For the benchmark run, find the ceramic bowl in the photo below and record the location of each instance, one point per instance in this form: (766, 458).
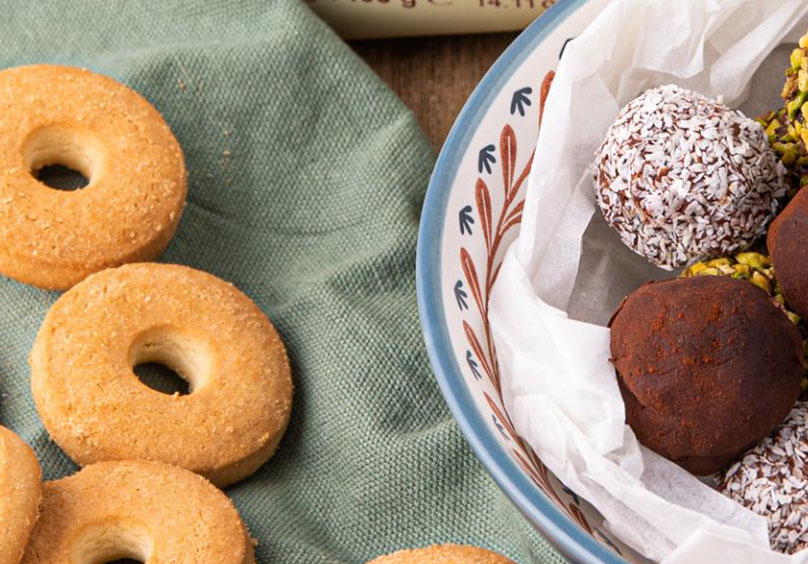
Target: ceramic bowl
(471, 213)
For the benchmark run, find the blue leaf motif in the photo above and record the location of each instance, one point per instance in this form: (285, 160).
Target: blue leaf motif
(487, 158)
(460, 295)
(520, 100)
(473, 365)
(500, 427)
(466, 220)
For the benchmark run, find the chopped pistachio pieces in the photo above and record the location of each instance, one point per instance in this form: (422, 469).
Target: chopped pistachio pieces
(751, 266)
(786, 139)
(761, 281)
(755, 260)
(785, 128)
(796, 58)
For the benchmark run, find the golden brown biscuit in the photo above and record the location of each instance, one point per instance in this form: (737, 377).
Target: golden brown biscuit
(203, 328)
(147, 511)
(20, 493)
(137, 181)
(443, 554)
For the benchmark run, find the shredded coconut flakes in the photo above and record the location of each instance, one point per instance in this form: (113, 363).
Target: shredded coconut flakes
(771, 480)
(683, 178)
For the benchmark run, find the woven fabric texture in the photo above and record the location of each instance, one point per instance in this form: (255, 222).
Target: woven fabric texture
(306, 178)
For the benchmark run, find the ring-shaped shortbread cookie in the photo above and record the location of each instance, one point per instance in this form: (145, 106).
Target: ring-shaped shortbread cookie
(443, 554)
(212, 335)
(131, 206)
(20, 493)
(151, 512)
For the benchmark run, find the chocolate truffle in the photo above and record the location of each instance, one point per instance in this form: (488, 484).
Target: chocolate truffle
(707, 366)
(757, 269)
(772, 480)
(681, 177)
(750, 266)
(789, 253)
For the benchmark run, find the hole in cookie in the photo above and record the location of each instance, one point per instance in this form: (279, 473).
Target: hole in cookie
(167, 361)
(62, 157)
(60, 177)
(113, 542)
(161, 378)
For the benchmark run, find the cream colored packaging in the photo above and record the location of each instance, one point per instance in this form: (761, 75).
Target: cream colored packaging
(366, 19)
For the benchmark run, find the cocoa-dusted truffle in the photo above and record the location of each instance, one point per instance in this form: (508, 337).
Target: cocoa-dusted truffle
(789, 252)
(706, 366)
(681, 177)
(757, 269)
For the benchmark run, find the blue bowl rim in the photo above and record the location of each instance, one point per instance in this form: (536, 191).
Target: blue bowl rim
(570, 539)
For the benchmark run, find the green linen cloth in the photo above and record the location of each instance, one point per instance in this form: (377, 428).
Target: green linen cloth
(306, 178)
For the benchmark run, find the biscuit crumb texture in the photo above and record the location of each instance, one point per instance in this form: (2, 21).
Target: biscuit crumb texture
(140, 510)
(95, 408)
(20, 494)
(443, 554)
(132, 204)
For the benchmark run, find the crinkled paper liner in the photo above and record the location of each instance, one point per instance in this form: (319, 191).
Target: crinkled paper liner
(567, 272)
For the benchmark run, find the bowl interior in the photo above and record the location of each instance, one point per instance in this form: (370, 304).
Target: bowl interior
(471, 214)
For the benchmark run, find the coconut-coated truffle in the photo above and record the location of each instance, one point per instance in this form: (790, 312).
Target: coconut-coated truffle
(772, 480)
(707, 366)
(681, 177)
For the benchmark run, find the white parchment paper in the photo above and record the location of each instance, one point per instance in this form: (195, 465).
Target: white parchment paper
(566, 273)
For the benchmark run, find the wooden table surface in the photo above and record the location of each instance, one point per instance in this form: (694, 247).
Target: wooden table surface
(434, 75)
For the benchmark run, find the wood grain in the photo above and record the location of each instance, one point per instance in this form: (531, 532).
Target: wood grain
(434, 75)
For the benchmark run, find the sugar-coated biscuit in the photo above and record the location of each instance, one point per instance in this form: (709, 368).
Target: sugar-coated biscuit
(20, 493)
(443, 554)
(211, 334)
(93, 124)
(147, 511)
